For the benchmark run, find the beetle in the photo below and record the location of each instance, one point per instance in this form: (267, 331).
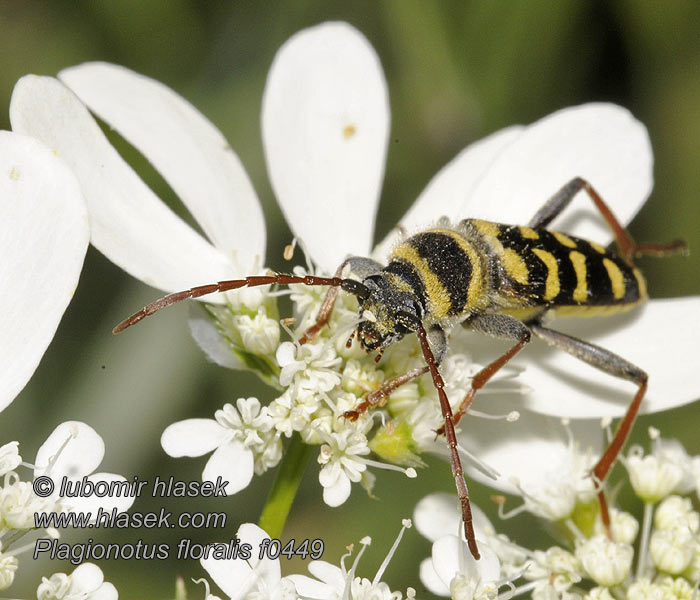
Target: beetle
(496, 279)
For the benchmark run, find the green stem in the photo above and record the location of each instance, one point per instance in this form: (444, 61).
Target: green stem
(279, 501)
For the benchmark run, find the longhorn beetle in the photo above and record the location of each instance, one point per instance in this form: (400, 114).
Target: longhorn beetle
(496, 279)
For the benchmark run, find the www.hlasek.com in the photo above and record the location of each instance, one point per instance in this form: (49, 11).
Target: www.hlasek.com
(77, 553)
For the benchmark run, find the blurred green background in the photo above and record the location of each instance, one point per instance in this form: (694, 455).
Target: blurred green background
(456, 71)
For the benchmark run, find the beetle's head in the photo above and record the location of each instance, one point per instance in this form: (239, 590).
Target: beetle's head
(388, 312)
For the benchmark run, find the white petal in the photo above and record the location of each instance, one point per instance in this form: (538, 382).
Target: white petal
(185, 147)
(233, 462)
(92, 503)
(446, 555)
(528, 449)
(267, 569)
(86, 578)
(105, 592)
(311, 588)
(660, 337)
(439, 514)
(338, 493)
(44, 235)
(446, 192)
(233, 576)
(128, 223)
(236, 577)
(193, 437)
(328, 573)
(81, 451)
(210, 340)
(325, 122)
(431, 580)
(602, 143)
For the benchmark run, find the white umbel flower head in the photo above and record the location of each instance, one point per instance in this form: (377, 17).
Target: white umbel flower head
(86, 582)
(608, 563)
(241, 437)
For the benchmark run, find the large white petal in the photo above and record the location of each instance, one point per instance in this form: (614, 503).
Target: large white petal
(325, 122)
(602, 143)
(439, 514)
(233, 462)
(78, 447)
(43, 236)
(106, 591)
(128, 223)
(454, 183)
(528, 449)
(660, 337)
(193, 437)
(93, 503)
(185, 147)
(431, 580)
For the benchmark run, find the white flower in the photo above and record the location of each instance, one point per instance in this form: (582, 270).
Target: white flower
(676, 511)
(308, 367)
(18, 503)
(86, 582)
(653, 476)
(340, 457)
(9, 457)
(325, 123)
(242, 440)
(339, 583)
(608, 563)
(44, 236)
(673, 549)
(253, 578)
(8, 566)
(73, 451)
(623, 526)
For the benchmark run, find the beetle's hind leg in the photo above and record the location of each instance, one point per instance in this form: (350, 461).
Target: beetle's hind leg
(611, 363)
(628, 248)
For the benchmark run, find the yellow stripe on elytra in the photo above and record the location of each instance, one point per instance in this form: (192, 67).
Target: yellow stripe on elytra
(438, 296)
(528, 233)
(579, 261)
(515, 266)
(617, 279)
(564, 239)
(552, 285)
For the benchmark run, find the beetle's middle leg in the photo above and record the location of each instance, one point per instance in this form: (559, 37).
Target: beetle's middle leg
(499, 326)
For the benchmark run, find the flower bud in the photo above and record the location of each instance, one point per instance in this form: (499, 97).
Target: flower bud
(672, 549)
(675, 511)
(653, 478)
(608, 563)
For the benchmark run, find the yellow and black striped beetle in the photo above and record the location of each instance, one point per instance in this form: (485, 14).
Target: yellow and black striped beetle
(500, 280)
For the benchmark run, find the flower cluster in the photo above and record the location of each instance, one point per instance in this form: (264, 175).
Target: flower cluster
(258, 578)
(597, 561)
(70, 454)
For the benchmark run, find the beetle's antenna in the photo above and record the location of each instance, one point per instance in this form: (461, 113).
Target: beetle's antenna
(348, 285)
(449, 427)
